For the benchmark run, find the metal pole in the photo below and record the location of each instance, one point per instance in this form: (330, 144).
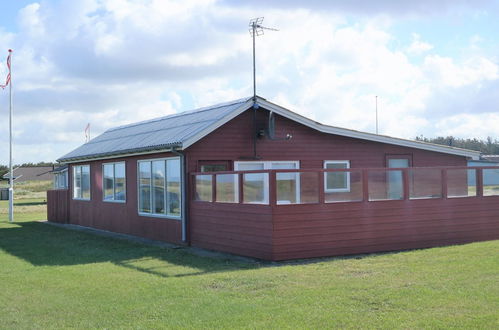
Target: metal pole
(11, 176)
(254, 92)
(376, 114)
(254, 63)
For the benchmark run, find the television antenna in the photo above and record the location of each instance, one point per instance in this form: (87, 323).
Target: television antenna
(256, 29)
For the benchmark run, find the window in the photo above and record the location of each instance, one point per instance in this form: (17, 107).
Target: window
(159, 187)
(81, 182)
(256, 185)
(61, 180)
(336, 181)
(113, 185)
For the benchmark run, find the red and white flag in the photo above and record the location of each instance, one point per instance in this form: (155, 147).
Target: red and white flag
(7, 80)
(87, 133)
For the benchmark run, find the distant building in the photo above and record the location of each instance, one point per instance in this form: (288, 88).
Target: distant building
(491, 158)
(31, 173)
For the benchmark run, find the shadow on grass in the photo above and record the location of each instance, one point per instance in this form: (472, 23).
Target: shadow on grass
(30, 203)
(43, 245)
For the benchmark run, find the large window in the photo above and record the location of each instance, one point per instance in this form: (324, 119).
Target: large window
(113, 182)
(159, 187)
(336, 181)
(81, 182)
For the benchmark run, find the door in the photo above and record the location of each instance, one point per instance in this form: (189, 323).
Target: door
(395, 178)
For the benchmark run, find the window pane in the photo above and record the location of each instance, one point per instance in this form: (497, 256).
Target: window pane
(256, 188)
(203, 188)
(249, 166)
(385, 185)
(145, 187)
(337, 181)
(173, 196)
(352, 194)
(85, 182)
(213, 167)
(490, 181)
(119, 182)
(108, 184)
(461, 183)
(286, 184)
(158, 186)
(77, 182)
(227, 188)
(425, 183)
(297, 188)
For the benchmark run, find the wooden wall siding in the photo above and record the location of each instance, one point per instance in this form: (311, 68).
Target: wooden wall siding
(234, 228)
(57, 205)
(121, 217)
(233, 141)
(303, 231)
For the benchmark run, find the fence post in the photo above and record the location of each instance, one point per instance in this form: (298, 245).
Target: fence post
(365, 185)
(444, 183)
(322, 194)
(272, 188)
(405, 183)
(240, 187)
(479, 182)
(213, 188)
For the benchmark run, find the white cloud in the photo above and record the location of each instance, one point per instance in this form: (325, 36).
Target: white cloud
(116, 62)
(417, 46)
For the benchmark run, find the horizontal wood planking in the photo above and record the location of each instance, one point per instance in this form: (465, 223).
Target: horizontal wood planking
(382, 226)
(361, 249)
(234, 228)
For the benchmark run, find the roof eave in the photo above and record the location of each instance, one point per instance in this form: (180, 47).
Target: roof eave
(122, 153)
(366, 136)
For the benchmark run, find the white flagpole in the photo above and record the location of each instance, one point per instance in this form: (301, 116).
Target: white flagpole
(11, 178)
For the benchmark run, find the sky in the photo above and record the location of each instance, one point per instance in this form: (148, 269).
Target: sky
(434, 65)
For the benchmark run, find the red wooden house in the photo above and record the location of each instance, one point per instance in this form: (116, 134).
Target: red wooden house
(253, 178)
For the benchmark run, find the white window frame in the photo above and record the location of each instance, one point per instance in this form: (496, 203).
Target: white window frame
(81, 183)
(267, 165)
(114, 183)
(330, 190)
(157, 215)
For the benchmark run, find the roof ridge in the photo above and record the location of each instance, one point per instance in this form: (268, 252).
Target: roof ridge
(197, 110)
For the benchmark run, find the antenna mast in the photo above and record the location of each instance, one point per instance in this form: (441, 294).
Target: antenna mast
(376, 114)
(256, 29)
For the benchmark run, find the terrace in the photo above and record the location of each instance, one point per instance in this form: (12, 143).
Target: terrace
(288, 214)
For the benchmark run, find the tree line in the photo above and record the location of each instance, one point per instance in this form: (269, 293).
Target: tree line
(488, 147)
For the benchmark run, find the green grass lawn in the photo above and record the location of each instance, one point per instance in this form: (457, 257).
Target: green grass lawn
(52, 277)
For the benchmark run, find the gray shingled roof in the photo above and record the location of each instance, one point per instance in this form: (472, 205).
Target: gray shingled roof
(160, 133)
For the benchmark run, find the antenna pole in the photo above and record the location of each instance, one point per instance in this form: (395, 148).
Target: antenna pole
(253, 27)
(376, 114)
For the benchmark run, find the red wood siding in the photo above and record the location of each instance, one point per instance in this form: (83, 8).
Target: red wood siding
(303, 231)
(121, 217)
(233, 141)
(239, 229)
(57, 205)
